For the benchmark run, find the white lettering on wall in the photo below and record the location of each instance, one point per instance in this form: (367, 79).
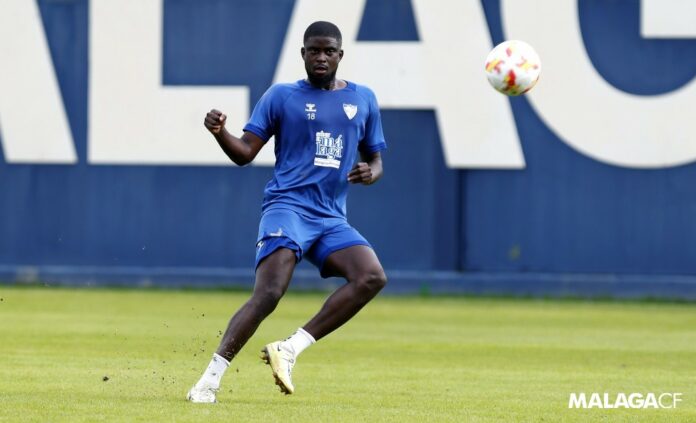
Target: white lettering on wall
(668, 18)
(33, 123)
(584, 110)
(133, 117)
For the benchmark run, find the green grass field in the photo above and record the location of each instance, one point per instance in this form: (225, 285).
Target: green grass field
(401, 359)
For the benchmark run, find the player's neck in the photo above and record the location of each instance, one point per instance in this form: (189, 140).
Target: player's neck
(331, 85)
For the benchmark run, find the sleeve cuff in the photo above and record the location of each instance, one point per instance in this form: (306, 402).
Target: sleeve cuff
(257, 131)
(366, 148)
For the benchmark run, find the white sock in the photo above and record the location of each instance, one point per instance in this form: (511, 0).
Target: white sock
(299, 341)
(212, 375)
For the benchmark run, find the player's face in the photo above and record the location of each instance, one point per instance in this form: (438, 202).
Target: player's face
(321, 56)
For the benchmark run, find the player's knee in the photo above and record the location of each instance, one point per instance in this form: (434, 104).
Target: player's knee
(370, 283)
(380, 281)
(266, 299)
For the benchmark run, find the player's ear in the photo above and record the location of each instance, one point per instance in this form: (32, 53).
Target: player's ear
(302, 52)
(340, 55)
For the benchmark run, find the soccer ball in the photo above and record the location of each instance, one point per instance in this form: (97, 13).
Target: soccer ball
(513, 67)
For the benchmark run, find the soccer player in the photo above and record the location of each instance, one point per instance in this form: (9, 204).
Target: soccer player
(320, 124)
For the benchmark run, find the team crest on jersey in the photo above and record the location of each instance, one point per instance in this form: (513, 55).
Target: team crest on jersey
(329, 150)
(350, 109)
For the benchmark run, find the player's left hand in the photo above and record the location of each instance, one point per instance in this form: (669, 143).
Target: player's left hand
(360, 174)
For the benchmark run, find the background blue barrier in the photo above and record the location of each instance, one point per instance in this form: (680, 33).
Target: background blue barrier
(564, 225)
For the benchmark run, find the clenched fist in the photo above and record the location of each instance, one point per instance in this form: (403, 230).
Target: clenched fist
(215, 121)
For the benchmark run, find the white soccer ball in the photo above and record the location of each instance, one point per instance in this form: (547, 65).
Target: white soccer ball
(513, 67)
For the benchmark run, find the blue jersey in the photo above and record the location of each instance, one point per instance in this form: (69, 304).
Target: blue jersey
(318, 134)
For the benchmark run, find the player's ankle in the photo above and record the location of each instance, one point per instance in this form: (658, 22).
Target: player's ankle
(213, 373)
(298, 342)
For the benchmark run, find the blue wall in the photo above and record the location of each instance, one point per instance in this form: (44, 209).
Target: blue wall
(565, 224)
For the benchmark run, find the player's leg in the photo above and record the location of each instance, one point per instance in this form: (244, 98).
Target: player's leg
(365, 277)
(272, 279)
(342, 251)
(283, 236)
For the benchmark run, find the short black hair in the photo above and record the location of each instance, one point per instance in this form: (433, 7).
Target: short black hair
(323, 29)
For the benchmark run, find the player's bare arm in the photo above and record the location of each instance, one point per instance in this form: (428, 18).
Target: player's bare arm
(240, 150)
(368, 171)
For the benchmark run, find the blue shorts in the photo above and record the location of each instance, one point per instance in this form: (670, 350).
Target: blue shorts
(311, 237)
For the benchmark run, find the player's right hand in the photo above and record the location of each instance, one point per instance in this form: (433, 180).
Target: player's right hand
(215, 121)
